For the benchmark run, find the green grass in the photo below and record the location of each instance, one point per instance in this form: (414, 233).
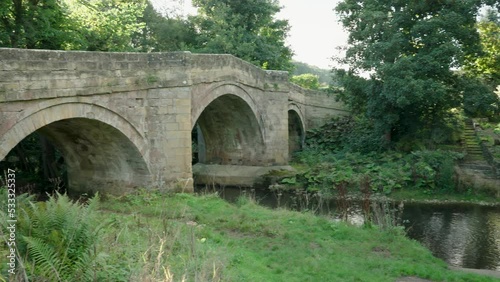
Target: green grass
(203, 238)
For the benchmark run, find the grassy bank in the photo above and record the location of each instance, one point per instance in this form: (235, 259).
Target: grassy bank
(197, 238)
(154, 237)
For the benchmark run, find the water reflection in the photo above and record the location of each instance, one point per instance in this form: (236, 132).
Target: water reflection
(462, 236)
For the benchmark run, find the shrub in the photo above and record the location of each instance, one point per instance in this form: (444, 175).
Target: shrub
(56, 239)
(430, 170)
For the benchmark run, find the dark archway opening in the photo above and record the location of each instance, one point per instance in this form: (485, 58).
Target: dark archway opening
(84, 155)
(38, 164)
(227, 132)
(296, 133)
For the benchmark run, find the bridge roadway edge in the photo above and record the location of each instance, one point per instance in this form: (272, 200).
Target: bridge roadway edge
(154, 93)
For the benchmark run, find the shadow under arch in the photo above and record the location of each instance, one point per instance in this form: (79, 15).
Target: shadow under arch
(296, 129)
(103, 152)
(223, 89)
(228, 132)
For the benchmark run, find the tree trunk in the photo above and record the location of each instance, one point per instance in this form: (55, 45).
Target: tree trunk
(49, 166)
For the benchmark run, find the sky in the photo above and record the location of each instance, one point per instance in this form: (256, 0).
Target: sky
(315, 32)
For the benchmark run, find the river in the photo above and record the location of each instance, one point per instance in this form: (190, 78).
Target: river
(462, 235)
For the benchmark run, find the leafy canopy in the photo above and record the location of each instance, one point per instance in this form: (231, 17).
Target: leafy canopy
(306, 80)
(409, 50)
(106, 25)
(487, 64)
(165, 31)
(246, 29)
(34, 24)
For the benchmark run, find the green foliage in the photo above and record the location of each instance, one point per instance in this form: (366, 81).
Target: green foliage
(56, 239)
(39, 24)
(185, 237)
(345, 134)
(497, 129)
(246, 29)
(163, 32)
(428, 170)
(331, 135)
(324, 76)
(486, 65)
(306, 80)
(38, 164)
(409, 50)
(109, 25)
(479, 100)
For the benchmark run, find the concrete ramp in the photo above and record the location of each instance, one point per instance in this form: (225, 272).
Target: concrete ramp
(233, 175)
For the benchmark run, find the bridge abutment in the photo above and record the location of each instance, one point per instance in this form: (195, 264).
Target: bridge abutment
(124, 120)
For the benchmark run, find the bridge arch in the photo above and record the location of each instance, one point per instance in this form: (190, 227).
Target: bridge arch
(296, 129)
(228, 127)
(102, 150)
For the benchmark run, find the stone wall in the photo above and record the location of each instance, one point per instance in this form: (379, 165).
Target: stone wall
(318, 107)
(124, 120)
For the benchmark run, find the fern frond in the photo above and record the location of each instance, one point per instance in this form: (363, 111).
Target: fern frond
(58, 238)
(45, 258)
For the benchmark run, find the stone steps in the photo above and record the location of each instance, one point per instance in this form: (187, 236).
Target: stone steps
(474, 151)
(481, 168)
(474, 161)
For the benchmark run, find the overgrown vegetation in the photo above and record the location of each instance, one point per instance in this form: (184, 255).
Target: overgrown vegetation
(402, 59)
(343, 152)
(55, 240)
(306, 80)
(406, 97)
(425, 170)
(151, 236)
(324, 75)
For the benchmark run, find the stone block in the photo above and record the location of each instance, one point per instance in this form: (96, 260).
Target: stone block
(151, 99)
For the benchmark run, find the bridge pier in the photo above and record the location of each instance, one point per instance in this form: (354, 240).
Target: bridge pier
(124, 120)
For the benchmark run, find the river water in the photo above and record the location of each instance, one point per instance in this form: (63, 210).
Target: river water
(462, 235)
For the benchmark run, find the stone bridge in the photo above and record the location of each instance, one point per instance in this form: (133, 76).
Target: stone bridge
(126, 120)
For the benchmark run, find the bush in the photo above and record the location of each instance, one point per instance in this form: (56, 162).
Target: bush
(56, 239)
(434, 169)
(385, 172)
(346, 134)
(479, 100)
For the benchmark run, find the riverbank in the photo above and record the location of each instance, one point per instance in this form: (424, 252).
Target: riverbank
(204, 238)
(418, 197)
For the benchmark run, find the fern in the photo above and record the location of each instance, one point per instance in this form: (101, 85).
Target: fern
(58, 238)
(45, 258)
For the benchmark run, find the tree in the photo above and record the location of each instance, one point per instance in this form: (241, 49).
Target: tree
(482, 71)
(486, 65)
(107, 25)
(324, 75)
(306, 80)
(479, 99)
(409, 50)
(34, 24)
(163, 32)
(246, 29)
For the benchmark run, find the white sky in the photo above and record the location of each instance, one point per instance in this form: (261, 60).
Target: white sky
(315, 32)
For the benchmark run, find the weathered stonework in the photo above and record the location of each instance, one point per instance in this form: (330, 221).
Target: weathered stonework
(124, 120)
